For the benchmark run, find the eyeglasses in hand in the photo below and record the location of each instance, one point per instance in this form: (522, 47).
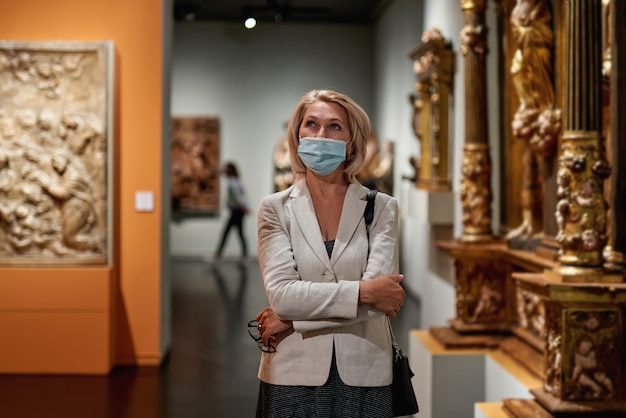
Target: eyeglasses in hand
(253, 330)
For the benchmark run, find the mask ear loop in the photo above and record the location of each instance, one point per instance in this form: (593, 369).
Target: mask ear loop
(350, 146)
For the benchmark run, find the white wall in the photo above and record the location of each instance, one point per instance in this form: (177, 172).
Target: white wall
(252, 80)
(429, 271)
(398, 30)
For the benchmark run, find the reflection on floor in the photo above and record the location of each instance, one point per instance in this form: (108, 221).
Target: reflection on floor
(210, 370)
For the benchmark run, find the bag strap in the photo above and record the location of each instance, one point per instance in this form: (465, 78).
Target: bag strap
(369, 217)
(369, 209)
(393, 338)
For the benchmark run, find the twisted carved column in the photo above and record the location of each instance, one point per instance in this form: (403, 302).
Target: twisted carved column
(476, 192)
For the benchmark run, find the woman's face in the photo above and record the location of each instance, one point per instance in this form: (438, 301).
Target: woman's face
(325, 120)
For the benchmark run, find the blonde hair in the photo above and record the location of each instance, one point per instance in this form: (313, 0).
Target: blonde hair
(358, 121)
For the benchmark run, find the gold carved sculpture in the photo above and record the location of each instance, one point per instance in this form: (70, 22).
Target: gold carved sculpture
(536, 121)
(433, 62)
(54, 152)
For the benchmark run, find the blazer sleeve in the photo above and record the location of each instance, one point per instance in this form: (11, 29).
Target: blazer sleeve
(290, 297)
(382, 259)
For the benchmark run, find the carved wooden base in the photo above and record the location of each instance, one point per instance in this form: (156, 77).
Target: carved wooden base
(466, 328)
(526, 244)
(600, 409)
(529, 358)
(570, 274)
(449, 338)
(524, 408)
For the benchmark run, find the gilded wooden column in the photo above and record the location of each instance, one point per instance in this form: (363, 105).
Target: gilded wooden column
(433, 62)
(614, 64)
(582, 168)
(476, 194)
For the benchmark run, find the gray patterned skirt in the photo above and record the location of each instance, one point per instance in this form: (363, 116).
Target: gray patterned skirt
(332, 400)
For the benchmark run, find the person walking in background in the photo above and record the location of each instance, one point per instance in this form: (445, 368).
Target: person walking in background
(238, 206)
(330, 283)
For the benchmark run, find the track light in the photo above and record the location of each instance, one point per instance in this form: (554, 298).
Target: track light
(250, 22)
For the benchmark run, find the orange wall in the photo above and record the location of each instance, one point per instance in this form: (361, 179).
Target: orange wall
(88, 319)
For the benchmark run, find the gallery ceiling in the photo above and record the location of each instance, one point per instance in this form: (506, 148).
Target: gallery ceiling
(277, 11)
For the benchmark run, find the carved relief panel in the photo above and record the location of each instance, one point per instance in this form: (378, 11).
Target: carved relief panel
(482, 289)
(195, 164)
(591, 366)
(584, 354)
(55, 152)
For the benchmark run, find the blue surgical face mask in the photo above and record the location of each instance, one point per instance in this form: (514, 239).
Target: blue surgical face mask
(322, 155)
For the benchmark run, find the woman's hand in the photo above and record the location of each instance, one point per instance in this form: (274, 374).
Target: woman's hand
(270, 324)
(384, 293)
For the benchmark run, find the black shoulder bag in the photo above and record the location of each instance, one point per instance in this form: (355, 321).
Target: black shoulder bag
(404, 401)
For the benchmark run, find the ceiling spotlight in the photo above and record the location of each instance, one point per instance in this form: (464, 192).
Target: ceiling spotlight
(250, 23)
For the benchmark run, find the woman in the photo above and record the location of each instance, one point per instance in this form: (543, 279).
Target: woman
(238, 206)
(329, 286)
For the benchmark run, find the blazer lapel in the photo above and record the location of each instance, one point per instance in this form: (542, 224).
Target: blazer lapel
(304, 214)
(351, 215)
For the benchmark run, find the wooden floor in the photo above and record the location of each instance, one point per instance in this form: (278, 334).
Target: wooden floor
(210, 370)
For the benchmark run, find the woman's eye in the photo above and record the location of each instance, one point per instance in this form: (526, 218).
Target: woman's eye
(335, 127)
(309, 123)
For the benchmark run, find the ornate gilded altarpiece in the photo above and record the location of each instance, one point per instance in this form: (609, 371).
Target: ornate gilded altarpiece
(56, 152)
(195, 165)
(550, 288)
(433, 66)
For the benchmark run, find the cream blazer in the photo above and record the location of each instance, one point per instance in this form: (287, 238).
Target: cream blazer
(320, 295)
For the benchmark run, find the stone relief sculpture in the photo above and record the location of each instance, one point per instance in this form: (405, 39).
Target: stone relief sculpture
(195, 164)
(536, 121)
(54, 152)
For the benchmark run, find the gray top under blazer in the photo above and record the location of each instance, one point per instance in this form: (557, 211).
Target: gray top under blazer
(320, 295)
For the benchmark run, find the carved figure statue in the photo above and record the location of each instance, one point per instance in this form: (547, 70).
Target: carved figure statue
(535, 121)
